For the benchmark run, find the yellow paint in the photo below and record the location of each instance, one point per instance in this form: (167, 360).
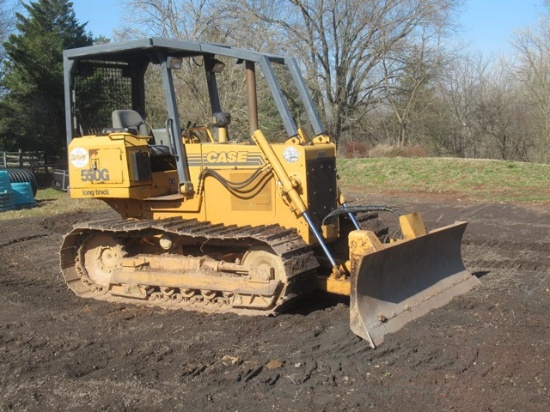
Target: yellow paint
(336, 286)
(279, 194)
(412, 225)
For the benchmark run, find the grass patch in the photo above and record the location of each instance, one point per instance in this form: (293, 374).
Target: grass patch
(50, 202)
(478, 180)
(483, 180)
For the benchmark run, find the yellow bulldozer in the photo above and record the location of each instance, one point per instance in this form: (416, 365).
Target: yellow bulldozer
(212, 223)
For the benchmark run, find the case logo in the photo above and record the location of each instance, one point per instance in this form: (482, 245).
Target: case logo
(79, 157)
(227, 157)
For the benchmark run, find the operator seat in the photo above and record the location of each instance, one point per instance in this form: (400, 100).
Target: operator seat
(160, 156)
(131, 120)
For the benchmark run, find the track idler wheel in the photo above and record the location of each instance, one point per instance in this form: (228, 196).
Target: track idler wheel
(99, 256)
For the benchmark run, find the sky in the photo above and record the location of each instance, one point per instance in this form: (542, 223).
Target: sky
(489, 25)
(486, 25)
(102, 16)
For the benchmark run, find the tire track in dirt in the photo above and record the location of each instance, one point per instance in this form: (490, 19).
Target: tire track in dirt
(485, 351)
(486, 254)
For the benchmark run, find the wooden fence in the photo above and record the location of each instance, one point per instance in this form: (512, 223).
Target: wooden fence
(36, 161)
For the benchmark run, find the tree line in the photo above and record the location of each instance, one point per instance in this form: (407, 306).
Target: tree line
(383, 73)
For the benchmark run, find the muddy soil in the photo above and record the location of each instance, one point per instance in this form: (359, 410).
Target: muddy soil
(488, 350)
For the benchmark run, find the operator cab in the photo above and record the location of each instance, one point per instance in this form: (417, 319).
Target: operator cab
(130, 81)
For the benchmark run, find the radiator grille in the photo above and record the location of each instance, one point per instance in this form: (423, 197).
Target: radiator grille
(321, 187)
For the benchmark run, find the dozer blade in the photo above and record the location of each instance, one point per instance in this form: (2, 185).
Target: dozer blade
(405, 280)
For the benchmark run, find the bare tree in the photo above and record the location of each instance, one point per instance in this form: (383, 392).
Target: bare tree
(533, 71)
(343, 43)
(378, 70)
(407, 72)
(502, 114)
(195, 20)
(459, 91)
(183, 19)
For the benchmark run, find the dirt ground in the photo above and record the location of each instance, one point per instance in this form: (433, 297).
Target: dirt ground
(488, 350)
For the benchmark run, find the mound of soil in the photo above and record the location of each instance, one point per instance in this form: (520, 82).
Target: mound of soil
(488, 350)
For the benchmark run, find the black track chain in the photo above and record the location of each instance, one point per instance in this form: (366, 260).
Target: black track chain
(297, 256)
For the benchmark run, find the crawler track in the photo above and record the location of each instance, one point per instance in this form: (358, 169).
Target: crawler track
(201, 238)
